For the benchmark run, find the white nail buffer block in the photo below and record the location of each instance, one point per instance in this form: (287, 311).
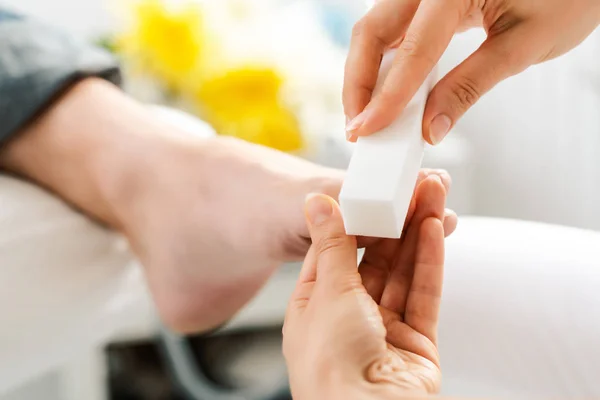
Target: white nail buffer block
(384, 168)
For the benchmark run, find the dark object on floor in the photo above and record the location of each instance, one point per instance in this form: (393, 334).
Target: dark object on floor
(137, 372)
(244, 365)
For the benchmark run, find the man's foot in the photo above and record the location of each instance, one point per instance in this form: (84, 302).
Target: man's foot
(209, 219)
(212, 221)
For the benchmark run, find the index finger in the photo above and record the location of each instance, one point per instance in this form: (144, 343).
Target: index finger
(426, 39)
(382, 27)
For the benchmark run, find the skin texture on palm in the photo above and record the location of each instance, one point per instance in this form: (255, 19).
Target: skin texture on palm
(369, 332)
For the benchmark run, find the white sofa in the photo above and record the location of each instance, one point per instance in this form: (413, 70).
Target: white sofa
(520, 312)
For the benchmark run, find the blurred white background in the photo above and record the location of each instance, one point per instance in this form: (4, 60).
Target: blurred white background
(534, 139)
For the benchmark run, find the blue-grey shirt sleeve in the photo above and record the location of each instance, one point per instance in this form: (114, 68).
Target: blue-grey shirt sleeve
(38, 63)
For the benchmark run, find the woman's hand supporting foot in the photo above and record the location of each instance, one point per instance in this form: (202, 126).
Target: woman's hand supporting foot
(368, 332)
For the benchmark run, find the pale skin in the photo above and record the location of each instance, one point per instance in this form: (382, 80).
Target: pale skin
(520, 33)
(368, 332)
(209, 219)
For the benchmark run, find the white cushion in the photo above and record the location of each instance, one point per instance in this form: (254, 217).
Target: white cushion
(520, 313)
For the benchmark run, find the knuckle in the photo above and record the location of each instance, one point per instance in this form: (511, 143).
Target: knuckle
(350, 285)
(392, 98)
(366, 31)
(411, 48)
(331, 243)
(299, 303)
(426, 290)
(360, 28)
(409, 45)
(466, 91)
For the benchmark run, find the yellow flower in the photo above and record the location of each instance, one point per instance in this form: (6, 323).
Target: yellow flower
(245, 102)
(241, 87)
(165, 42)
(171, 45)
(273, 126)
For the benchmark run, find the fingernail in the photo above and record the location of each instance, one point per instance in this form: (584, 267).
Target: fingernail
(439, 128)
(356, 122)
(446, 178)
(348, 134)
(435, 178)
(350, 137)
(318, 208)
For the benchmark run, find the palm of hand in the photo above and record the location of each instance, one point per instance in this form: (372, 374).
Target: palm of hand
(370, 331)
(408, 369)
(403, 279)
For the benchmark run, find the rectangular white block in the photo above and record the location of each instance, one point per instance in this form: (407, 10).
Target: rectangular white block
(383, 170)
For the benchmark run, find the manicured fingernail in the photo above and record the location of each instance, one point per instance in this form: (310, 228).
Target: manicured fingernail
(439, 128)
(356, 122)
(435, 178)
(349, 135)
(318, 208)
(446, 178)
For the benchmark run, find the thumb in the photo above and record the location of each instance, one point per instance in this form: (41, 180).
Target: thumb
(334, 251)
(498, 58)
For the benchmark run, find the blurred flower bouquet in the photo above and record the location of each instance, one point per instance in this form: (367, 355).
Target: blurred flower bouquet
(243, 66)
